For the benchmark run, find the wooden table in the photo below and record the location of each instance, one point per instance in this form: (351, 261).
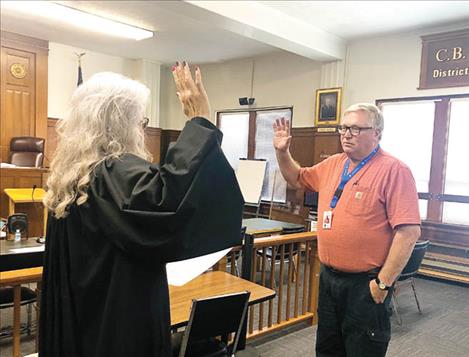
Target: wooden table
(261, 226)
(211, 284)
(15, 278)
(26, 195)
(205, 285)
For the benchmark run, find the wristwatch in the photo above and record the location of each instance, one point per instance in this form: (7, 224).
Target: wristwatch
(381, 285)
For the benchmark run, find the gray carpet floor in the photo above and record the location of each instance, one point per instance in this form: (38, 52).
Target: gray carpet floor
(441, 331)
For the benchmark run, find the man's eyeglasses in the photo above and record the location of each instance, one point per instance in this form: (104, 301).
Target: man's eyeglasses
(354, 130)
(144, 122)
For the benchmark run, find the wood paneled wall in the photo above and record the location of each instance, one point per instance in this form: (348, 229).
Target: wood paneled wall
(51, 140)
(310, 146)
(326, 143)
(23, 87)
(302, 146)
(153, 141)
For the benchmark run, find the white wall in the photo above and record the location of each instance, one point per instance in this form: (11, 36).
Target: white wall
(388, 67)
(375, 68)
(63, 73)
(224, 83)
(276, 79)
(148, 73)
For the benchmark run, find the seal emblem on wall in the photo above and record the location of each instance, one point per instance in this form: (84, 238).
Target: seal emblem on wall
(18, 70)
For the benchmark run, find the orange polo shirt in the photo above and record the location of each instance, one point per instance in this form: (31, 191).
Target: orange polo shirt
(380, 197)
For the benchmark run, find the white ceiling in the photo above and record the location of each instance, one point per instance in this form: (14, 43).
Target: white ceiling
(212, 31)
(352, 20)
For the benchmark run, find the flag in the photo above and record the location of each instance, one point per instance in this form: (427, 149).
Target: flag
(80, 76)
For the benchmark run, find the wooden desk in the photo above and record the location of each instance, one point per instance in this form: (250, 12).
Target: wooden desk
(206, 285)
(262, 226)
(26, 195)
(15, 278)
(23, 177)
(211, 284)
(10, 260)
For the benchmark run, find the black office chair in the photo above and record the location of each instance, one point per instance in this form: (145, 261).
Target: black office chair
(28, 297)
(212, 317)
(290, 252)
(407, 276)
(229, 260)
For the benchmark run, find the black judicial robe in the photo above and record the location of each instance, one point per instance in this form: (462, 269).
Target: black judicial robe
(104, 290)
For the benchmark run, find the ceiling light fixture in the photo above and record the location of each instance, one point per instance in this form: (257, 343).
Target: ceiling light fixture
(77, 18)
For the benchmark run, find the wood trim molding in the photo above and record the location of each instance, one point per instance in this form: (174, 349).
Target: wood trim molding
(445, 35)
(302, 131)
(438, 160)
(42, 92)
(444, 233)
(25, 43)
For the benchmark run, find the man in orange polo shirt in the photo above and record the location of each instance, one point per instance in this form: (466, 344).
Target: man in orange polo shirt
(368, 223)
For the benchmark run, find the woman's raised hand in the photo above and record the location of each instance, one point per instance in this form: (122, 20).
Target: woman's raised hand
(191, 94)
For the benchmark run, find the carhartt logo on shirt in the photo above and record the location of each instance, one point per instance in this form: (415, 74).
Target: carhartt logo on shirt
(358, 195)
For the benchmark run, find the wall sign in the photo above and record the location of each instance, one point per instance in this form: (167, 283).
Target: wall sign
(445, 60)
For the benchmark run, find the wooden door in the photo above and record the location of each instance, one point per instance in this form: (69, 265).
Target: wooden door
(23, 89)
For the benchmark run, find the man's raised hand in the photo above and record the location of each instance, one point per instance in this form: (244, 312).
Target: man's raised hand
(282, 137)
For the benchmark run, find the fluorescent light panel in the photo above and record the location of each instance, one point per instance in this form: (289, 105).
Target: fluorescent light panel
(77, 18)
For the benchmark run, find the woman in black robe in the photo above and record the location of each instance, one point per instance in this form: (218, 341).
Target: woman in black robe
(116, 219)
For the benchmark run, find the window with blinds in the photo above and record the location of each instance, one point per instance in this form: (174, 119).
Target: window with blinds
(249, 134)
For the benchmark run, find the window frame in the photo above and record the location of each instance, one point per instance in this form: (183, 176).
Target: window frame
(441, 123)
(252, 124)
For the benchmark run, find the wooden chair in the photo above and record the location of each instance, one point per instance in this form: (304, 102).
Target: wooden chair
(28, 297)
(233, 258)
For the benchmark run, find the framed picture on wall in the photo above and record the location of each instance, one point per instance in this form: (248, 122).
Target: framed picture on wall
(328, 106)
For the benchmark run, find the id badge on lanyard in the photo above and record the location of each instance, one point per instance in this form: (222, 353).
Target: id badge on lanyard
(327, 215)
(327, 220)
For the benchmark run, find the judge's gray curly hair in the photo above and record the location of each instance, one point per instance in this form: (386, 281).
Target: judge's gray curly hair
(104, 121)
(375, 116)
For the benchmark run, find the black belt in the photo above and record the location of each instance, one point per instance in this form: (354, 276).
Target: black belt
(371, 273)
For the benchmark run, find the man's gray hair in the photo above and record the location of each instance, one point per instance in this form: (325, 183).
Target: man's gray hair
(375, 116)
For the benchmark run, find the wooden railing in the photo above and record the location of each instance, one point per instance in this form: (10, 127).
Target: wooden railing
(294, 262)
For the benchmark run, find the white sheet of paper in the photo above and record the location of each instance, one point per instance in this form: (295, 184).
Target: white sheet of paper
(250, 175)
(29, 249)
(181, 272)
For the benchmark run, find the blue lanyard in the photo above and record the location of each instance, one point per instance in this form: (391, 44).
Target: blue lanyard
(347, 176)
